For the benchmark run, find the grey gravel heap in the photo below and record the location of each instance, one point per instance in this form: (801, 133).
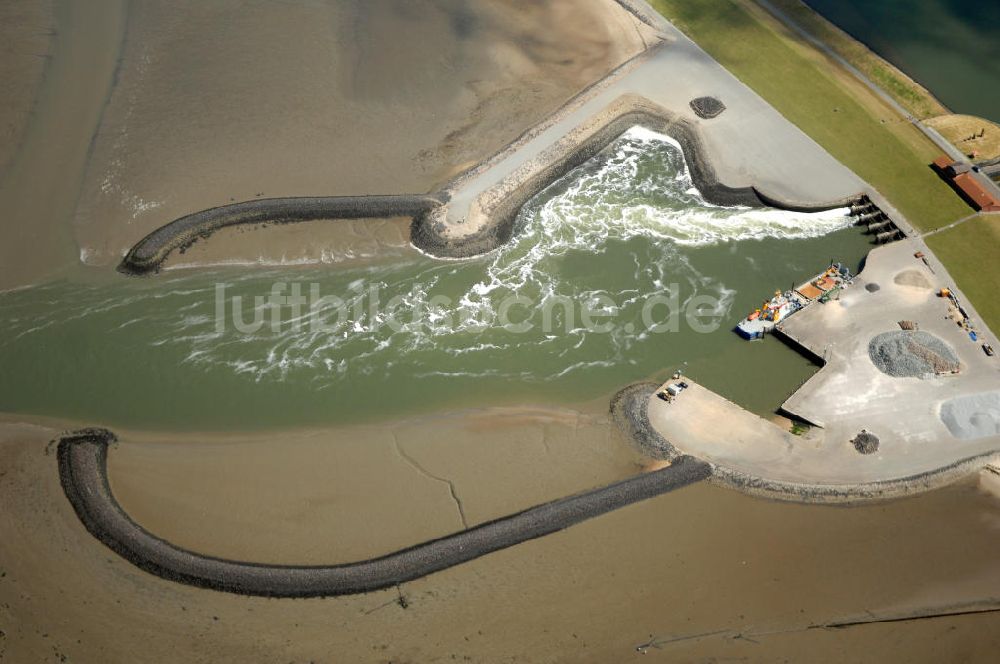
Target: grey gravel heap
(906, 354)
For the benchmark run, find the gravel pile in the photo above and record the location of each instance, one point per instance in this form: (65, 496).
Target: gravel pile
(865, 442)
(912, 278)
(911, 354)
(707, 107)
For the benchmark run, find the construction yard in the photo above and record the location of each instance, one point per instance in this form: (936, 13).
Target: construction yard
(906, 400)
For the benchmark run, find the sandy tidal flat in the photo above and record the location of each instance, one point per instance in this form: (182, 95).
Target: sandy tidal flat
(335, 496)
(704, 572)
(229, 101)
(26, 31)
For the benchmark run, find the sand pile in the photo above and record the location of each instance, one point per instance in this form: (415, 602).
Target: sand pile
(973, 416)
(909, 354)
(912, 278)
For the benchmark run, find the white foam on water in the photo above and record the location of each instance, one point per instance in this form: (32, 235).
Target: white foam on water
(639, 187)
(623, 198)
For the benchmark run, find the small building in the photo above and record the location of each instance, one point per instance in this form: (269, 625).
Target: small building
(976, 193)
(942, 162)
(972, 190)
(950, 168)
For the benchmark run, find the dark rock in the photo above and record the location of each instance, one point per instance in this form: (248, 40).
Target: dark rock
(865, 442)
(707, 107)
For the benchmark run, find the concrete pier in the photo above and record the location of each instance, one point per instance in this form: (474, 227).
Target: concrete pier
(917, 449)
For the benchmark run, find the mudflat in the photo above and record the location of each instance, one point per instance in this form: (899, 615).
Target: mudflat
(50, 147)
(703, 572)
(215, 103)
(26, 31)
(261, 496)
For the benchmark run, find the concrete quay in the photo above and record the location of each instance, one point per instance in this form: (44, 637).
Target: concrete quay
(918, 449)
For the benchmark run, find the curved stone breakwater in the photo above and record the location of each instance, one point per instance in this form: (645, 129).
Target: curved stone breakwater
(82, 458)
(630, 411)
(432, 234)
(495, 211)
(149, 253)
(498, 207)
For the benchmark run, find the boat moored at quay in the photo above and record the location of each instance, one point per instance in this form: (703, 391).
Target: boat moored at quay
(778, 308)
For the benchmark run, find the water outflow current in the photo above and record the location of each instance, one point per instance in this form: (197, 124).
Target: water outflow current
(618, 271)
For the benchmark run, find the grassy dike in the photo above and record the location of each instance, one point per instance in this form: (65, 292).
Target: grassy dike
(971, 251)
(910, 94)
(823, 100)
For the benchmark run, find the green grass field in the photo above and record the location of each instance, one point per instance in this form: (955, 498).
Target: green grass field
(904, 90)
(838, 112)
(971, 252)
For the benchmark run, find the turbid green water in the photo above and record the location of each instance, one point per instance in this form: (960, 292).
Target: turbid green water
(949, 46)
(420, 335)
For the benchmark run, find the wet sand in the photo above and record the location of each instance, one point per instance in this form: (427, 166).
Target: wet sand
(700, 561)
(40, 187)
(260, 497)
(343, 242)
(26, 31)
(198, 119)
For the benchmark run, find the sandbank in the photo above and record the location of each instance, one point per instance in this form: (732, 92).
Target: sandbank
(701, 560)
(198, 120)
